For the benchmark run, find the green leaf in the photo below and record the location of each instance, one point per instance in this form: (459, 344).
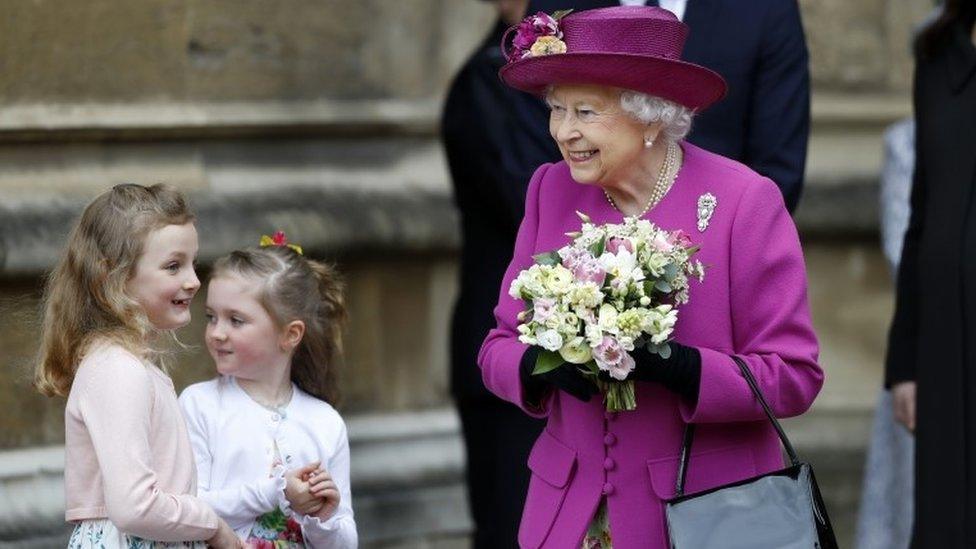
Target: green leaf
(557, 15)
(548, 258)
(597, 248)
(547, 361)
(670, 271)
(664, 350)
(648, 288)
(663, 286)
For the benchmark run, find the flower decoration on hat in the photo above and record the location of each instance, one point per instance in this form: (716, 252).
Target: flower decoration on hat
(537, 35)
(279, 239)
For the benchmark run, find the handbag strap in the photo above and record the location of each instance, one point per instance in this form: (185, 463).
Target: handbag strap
(689, 435)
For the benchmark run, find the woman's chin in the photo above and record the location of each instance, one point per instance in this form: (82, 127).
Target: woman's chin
(582, 175)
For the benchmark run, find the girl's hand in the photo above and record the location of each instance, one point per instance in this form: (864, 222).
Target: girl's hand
(297, 490)
(225, 538)
(323, 487)
(903, 401)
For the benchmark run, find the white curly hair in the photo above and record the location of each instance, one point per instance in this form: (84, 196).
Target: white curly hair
(675, 119)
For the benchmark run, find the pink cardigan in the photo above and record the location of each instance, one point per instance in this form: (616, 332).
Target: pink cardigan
(127, 454)
(753, 303)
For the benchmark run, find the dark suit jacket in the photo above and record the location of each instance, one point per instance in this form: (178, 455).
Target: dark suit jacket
(495, 137)
(759, 48)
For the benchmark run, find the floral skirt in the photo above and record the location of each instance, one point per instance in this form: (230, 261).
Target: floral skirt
(102, 534)
(275, 530)
(598, 534)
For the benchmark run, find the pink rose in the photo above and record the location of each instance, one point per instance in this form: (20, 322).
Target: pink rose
(680, 238)
(616, 243)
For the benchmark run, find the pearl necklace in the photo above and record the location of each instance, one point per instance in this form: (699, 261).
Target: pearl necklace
(665, 179)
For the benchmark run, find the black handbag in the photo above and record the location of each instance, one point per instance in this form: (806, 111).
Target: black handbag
(782, 509)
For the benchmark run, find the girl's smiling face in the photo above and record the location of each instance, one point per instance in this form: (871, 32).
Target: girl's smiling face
(241, 335)
(164, 281)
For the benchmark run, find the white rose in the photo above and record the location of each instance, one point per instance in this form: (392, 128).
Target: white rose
(550, 340)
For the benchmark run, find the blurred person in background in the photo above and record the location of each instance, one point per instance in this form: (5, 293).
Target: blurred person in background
(931, 356)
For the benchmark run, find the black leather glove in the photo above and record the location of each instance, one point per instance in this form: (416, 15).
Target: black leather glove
(680, 372)
(566, 378)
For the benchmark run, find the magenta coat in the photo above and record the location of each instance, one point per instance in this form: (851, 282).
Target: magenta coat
(753, 303)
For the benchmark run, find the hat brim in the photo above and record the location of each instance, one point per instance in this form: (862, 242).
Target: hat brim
(687, 84)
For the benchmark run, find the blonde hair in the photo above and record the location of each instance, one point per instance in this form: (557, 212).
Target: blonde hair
(294, 287)
(84, 296)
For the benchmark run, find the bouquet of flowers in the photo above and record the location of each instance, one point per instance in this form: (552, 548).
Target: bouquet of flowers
(614, 288)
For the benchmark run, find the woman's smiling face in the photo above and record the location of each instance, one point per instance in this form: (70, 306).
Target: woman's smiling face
(598, 140)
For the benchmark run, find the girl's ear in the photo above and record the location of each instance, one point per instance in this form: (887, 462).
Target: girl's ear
(291, 335)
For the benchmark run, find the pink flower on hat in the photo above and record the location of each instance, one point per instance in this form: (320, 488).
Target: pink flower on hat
(538, 34)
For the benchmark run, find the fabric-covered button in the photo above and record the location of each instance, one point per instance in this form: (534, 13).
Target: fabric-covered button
(607, 489)
(609, 439)
(275, 417)
(609, 464)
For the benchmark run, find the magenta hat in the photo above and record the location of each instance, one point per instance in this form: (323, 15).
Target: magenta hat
(631, 47)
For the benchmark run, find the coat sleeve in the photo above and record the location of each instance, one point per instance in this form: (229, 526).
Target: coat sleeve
(116, 405)
(903, 334)
(772, 329)
(779, 119)
(339, 530)
(238, 505)
(502, 351)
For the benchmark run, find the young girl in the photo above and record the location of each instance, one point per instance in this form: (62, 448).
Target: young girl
(125, 277)
(272, 453)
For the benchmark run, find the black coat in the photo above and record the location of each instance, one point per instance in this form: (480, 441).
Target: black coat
(494, 137)
(933, 334)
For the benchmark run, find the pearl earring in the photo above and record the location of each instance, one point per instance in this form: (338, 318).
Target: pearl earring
(648, 142)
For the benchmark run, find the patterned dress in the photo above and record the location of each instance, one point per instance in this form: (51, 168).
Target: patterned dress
(102, 534)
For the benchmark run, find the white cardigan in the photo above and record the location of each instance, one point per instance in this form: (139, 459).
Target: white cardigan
(233, 440)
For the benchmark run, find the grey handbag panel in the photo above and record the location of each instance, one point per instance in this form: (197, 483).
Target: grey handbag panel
(771, 511)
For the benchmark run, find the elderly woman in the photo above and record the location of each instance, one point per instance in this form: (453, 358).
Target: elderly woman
(622, 100)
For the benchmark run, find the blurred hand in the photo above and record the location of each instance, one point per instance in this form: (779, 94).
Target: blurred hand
(903, 402)
(297, 490)
(225, 538)
(322, 486)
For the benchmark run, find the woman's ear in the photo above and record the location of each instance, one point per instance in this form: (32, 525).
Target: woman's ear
(291, 335)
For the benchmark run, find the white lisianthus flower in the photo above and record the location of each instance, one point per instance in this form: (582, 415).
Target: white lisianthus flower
(550, 340)
(576, 351)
